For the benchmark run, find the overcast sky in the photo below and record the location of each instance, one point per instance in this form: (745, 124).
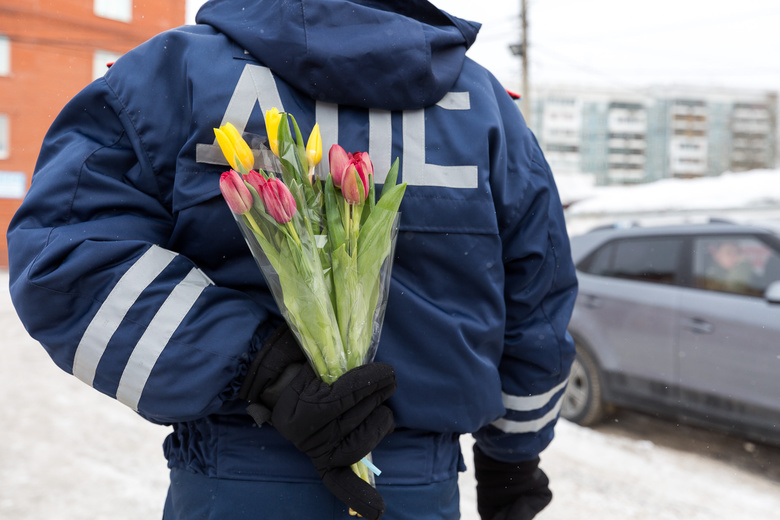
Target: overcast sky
(627, 43)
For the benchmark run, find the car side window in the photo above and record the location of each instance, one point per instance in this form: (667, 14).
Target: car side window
(651, 259)
(734, 264)
(600, 262)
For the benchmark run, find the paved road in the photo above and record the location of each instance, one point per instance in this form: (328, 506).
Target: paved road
(760, 459)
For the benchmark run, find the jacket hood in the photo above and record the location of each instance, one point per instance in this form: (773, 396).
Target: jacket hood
(369, 53)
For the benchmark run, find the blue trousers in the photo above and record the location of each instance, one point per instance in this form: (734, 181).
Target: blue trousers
(197, 497)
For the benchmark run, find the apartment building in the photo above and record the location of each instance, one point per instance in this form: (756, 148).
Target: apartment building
(626, 141)
(623, 137)
(563, 133)
(750, 123)
(48, 52)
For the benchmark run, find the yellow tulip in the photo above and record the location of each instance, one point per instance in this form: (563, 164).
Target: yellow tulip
(236, 151)
(314, 147)
(272, 120)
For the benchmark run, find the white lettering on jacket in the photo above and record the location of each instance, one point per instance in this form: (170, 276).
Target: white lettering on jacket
(257, 85)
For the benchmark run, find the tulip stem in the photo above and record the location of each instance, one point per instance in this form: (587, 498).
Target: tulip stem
(293, 233)
(253, 224)
(348, 225)
(357, 212)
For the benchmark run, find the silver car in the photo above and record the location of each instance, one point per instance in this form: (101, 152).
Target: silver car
(681, 320)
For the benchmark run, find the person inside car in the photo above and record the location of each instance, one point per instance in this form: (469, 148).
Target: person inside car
(730, 271)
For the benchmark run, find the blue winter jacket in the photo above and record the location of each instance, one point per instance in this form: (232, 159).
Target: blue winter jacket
(128, 267)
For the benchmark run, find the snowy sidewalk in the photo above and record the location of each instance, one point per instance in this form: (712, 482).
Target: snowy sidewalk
(69, 453)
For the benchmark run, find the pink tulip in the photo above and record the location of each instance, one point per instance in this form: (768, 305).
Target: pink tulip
(278, 200)
(255, 180)
(235, 192)
(353, 181)
(363, 161)
(356, 178)
(338, 160)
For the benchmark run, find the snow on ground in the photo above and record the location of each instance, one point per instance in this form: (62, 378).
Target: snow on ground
(69, 453)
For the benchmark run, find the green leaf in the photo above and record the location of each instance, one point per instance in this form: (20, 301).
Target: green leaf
(300, 147)
(371, 192)
(374, 239)
(391, 179)
(370, 201)
(288, 153)
(333, 206)
(344, 282)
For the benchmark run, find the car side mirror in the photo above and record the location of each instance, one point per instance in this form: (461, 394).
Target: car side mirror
(772, 293)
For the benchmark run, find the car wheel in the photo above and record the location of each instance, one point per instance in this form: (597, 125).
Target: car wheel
(583, 401)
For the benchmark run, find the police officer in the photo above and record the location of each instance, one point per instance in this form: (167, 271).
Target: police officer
(126, 265)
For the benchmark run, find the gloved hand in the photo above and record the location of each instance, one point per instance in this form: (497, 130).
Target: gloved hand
(335, 425)
(509, 491)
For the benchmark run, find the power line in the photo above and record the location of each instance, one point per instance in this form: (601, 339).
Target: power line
(678, 25)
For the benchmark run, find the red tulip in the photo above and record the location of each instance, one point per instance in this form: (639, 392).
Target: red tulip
(362, 160)
(278, 200)
(356, 178)
(255, 180)
(338, 160)
(235, 192)
(350, 188)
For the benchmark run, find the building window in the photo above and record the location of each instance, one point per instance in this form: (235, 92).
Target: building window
(120, 10)
(5, 55)
(13, 185)
(100, 61)
(5, 137)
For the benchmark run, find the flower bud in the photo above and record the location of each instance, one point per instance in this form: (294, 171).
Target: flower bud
(314, 147)
(273, 119)
(255, 180)
(235, 192)
(363, 163)
(338, 160)
(235, 149)
(354, 181)
(278, 201)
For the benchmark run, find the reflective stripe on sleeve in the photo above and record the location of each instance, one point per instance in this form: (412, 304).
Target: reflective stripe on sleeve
(531, 426)
(156, 337)
(111, 313)
(529, 404)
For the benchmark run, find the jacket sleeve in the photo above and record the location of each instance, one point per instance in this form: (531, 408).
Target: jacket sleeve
(540, 289)
(93, 281)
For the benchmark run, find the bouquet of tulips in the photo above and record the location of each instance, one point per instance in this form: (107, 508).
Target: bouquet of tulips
(324, 246)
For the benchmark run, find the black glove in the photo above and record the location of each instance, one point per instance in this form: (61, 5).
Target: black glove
(509, 491)
(335, 425)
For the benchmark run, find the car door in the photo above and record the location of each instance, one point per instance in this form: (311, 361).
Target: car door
(627, 310)
(729, 335)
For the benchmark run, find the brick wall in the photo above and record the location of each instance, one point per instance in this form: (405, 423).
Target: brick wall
(52, 48)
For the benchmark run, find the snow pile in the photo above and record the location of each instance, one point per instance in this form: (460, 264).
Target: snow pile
(746, 196)
(69, 453)
(574, 187)
(757, 188)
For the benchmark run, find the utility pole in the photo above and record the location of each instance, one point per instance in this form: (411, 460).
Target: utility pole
(521, 49)
(525, 104)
